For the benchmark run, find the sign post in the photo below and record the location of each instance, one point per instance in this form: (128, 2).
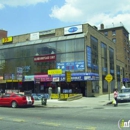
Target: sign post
(109, 78)
(68, 79)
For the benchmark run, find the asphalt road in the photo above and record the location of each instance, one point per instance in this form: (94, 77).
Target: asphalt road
(39, 118)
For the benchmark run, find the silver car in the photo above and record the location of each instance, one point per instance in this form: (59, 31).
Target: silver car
(124, 95)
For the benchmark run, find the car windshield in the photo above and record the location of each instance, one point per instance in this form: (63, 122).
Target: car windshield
(125, 91)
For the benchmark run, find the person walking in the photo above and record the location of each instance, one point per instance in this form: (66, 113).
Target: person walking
(115, 97)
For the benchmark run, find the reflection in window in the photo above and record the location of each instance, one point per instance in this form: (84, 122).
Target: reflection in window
(114, 40)
(106, 33)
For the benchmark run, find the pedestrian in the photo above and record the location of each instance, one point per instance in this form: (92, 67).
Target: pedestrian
(115, 97)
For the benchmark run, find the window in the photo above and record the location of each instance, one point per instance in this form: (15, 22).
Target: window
(114, 40)
(113, 32)
(106, 33)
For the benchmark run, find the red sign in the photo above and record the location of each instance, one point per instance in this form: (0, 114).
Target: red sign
(51, 57)
(42, 78)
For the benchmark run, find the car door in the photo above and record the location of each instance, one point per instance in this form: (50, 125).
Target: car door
(0, 100)
(5, 100)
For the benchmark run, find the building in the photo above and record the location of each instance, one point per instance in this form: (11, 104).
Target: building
(120, 37)
(3, 33)
(80, 49)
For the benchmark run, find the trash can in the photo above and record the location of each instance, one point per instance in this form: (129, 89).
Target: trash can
(43, 101)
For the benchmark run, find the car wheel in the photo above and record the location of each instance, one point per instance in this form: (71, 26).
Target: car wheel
(14, 104)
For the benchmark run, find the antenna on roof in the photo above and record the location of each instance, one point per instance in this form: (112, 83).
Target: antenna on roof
(121, 24)
(113, 24)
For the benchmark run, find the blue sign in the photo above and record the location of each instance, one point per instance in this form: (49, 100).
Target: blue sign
(78, 65)
(89, 61)
(79, 76)
(72, 29)
(126, 80)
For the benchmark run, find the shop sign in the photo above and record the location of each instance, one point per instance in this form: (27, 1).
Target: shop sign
(19, 70)
(29, 78)
(73, 29)
(77, 77)
(77, 65)
(55, 71)
(9, 76)
(34, 36)
(89, 61)
(43, 78)
(7, 39)
(45, 58)
(55, 79)
(46, 79)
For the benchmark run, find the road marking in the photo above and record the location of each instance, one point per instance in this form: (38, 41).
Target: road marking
(18, 120)
(50, 123)
(87, 128)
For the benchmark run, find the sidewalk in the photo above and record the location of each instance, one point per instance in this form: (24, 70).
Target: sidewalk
(99, 101)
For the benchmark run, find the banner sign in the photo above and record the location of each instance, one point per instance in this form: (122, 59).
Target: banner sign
(89, 61)
(44, 58)
(73, 29)
(77, 77)
(68, 66)
(7, 39)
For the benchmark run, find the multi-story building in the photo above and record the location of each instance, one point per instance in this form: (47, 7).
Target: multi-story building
(3, 33)
(81, 49)
(120, 37)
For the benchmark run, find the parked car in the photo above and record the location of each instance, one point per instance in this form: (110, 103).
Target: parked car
(16, 100)
(124, 95)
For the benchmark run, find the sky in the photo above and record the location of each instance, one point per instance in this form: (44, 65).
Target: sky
(27, 16)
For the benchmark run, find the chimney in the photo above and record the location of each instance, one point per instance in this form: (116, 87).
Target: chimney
(102, 26)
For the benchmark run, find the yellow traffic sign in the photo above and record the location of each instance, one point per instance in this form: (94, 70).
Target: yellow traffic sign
(55, 71)
(108, 77)
(68, 76)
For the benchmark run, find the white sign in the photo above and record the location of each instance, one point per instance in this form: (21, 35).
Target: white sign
(19, 70)
(34, 36)
(73, 30)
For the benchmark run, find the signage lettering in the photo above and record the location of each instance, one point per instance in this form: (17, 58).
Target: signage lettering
(45, 58)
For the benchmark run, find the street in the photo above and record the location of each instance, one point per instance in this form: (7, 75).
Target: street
(81, 118)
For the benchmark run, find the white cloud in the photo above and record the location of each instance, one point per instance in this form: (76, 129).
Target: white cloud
(1, 6)
(94, 12)
(16, 3)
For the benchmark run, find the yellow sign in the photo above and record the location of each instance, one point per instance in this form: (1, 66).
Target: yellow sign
(56, 71)
(109, 78)
(68, 76)
(7, 39)
(13, 80)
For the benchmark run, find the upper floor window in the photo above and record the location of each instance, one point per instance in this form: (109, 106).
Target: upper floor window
(106, 33)
(114, 40)
(113, 32)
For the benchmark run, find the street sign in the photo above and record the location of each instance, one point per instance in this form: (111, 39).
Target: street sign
(68, 76)
(55, 71)
(108, 77)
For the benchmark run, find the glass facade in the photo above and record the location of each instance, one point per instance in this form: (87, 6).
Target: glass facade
(22, 55)
(94, 54)
(104, 66)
